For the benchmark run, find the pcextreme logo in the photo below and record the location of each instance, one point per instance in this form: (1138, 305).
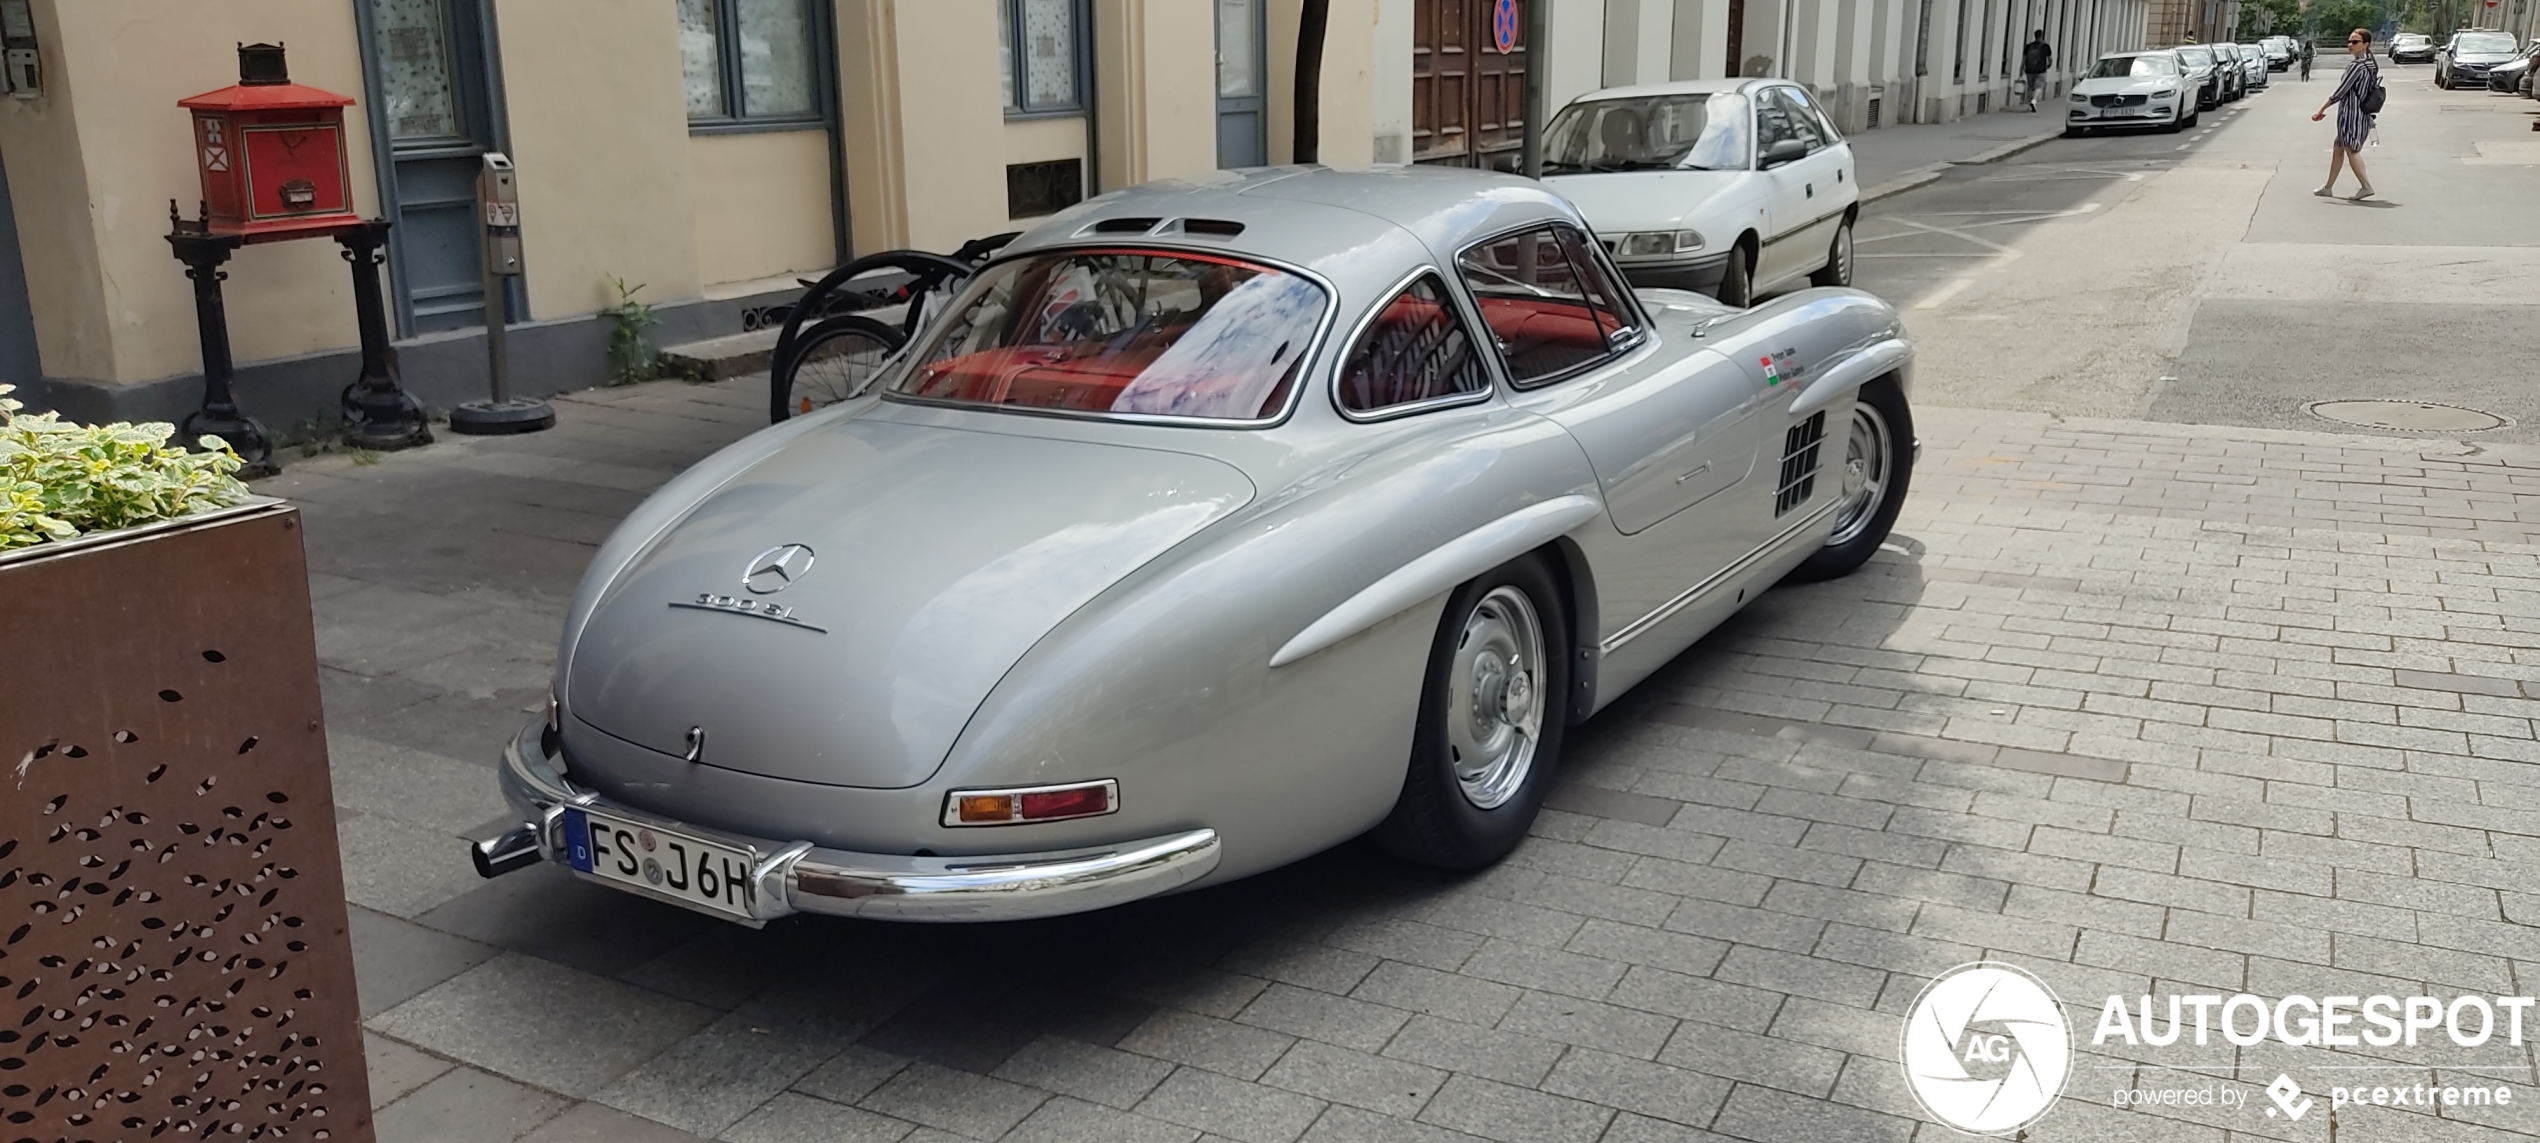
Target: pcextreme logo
(1986, 1049)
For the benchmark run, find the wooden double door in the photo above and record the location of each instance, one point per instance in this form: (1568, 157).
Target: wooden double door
(1468, 95)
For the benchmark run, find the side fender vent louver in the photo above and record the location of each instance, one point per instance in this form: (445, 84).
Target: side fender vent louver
(1123, 226)
(1799, 463)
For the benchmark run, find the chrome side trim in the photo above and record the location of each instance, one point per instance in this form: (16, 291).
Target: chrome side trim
(1445, 566)
(1668, 610)
(797, 877)
(1851, 373)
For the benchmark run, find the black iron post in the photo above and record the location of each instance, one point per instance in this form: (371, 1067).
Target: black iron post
(203, 253)
(378, 414)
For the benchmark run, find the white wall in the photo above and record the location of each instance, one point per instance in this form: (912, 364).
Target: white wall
(1389, 112)
(1574, 62)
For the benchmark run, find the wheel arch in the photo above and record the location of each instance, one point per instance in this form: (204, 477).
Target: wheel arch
(1577, 581)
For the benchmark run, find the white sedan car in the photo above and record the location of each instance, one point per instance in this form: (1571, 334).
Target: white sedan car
(2132, 89)
(1732, 187)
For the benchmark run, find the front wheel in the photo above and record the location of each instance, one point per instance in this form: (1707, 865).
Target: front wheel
(1493, 709)
(1737, 279)
(1878, 462)
(835, 360)
(1838, 268)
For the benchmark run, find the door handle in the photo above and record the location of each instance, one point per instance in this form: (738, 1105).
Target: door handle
(1698, 470)
(1812, 190)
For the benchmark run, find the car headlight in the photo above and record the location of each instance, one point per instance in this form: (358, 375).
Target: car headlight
(2080, 98)
(2165, 93)
(1657, 243)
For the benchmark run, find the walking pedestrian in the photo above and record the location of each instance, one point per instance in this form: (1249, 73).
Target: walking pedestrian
(2035, 58)
(2357, 100)
(2306, 59)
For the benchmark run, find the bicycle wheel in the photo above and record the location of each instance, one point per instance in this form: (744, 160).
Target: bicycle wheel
(835, 360)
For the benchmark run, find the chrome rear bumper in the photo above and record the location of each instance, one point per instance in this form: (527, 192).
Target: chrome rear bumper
(795, 877)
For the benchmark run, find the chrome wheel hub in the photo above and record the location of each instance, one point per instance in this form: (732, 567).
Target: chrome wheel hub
(1868, 453)
(1496, 716)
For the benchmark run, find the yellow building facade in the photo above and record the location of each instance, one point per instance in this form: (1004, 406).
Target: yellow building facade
(709, 151)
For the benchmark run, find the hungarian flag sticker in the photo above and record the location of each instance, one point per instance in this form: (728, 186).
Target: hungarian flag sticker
(1772, 373)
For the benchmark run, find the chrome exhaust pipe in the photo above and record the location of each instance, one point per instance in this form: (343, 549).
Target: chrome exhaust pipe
(511, 851)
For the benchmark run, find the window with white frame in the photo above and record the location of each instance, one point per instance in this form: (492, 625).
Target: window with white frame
(749, 63)
(1041, 44)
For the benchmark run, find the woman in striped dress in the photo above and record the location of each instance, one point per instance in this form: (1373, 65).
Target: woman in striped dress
(2353, 125)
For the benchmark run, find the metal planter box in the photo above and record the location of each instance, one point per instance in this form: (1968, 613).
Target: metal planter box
(174, 957)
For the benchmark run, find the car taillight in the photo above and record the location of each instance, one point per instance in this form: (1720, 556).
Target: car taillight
(1025, 804)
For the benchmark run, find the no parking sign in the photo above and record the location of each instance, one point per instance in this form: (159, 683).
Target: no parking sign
(1504, 24)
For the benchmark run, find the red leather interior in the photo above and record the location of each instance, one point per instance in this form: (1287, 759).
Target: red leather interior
(1529, 324)
(1042, 376)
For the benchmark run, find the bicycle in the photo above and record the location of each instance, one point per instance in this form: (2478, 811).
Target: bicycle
(832, 348)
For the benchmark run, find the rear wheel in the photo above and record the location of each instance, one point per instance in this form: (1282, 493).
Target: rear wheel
(1877, 464)
(1737, 279)
(1838, 268)
(1493, 709)
(835, 360)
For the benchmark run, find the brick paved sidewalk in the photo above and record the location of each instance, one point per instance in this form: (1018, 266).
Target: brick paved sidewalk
(2141, 708)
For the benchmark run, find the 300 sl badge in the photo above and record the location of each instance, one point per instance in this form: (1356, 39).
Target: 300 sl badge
(754, 608)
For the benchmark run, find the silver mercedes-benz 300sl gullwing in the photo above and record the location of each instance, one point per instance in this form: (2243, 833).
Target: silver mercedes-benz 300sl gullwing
(1213, 524)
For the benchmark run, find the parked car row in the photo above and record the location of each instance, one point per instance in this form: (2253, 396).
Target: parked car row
(2468, 57)
(2167, 88)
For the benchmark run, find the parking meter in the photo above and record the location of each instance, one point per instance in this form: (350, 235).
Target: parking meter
(498, 192)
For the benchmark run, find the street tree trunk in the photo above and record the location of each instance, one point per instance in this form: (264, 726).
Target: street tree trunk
(1309, 81)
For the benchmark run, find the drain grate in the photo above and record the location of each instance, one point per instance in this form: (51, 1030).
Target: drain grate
(2408, 416)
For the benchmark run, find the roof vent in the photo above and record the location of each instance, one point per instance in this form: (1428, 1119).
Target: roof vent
(1123, 226)
(1213, 227)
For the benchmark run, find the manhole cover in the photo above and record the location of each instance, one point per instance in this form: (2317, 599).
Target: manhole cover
(2408, 416)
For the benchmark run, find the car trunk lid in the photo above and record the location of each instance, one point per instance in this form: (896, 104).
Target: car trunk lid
(936, 557)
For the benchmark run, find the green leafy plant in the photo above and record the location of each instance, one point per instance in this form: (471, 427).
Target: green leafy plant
(632, 357)
(59, 479)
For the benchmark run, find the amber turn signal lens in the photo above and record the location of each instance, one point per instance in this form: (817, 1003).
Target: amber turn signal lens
(1021, 804)
(986, 809)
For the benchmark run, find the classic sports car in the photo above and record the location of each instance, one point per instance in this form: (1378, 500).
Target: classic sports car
(1213, 524)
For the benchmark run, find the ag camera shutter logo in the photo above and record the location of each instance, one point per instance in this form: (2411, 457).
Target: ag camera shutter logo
(1986, 1049)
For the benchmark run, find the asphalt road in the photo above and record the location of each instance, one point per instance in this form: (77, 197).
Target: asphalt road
(2193, 278)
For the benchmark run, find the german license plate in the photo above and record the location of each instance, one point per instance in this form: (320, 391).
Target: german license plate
(665, 863)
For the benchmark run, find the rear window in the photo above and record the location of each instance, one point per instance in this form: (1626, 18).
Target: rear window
(1125, 331)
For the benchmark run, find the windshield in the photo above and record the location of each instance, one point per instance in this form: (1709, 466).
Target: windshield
(1693, 131)
(2486, 42)
(2135, 67)
(1124, 331)
(2196, 57)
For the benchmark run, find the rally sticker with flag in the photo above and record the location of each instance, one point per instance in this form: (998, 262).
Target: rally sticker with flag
(1772, 373)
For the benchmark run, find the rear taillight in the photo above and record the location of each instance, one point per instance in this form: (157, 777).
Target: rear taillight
(1022, 805)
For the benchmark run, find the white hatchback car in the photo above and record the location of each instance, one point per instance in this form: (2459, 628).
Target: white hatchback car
(2132, 89)
(1731, 187)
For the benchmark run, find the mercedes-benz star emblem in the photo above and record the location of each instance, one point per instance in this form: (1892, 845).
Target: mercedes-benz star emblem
(776, 569)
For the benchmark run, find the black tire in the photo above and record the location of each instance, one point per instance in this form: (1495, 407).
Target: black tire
(832, 361)
(1882, 417)
(1737, 279)
(1438, 819)
(1838, 268)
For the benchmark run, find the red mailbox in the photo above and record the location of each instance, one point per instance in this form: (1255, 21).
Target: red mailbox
(271, 153)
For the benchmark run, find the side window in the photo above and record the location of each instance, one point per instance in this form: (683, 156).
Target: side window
(1536, 305)
(1416, 350)
(1801, 117)
(1816, 115)
(1772, 123)
(1597, 288)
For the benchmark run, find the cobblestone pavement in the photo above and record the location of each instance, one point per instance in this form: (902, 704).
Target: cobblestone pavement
(2140, 708)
